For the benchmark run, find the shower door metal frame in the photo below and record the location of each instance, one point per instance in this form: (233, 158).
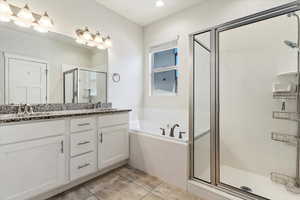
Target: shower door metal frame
(214, 97)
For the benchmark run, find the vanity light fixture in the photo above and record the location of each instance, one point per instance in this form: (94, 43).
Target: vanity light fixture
(84, 36)
(24, 17)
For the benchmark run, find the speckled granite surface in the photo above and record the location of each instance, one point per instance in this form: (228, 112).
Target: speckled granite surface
(8, 113)
(8, 109)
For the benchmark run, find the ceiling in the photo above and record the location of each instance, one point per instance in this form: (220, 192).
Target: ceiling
(144, 12)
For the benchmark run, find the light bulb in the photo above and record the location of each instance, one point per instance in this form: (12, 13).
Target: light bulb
(80, 41)
(98, 38)
(5, 8)
(159, 3)
(101, 46)
(86, 34)
(45, 21)
(108, 42)
(22, 23)
(40, 28)
(25, 14)
(91, 44)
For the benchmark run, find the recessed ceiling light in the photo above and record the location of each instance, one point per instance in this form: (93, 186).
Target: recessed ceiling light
(159, 3)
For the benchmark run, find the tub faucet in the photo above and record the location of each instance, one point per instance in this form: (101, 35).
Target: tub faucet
(173, 129)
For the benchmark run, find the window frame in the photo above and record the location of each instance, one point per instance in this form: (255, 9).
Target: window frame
(161, 69)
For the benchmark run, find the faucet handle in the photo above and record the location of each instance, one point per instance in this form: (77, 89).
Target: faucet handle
(181, 133)
(163, 131)
(19, 109)
(28, 109)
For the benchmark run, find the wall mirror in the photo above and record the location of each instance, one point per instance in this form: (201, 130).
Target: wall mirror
(39, 68)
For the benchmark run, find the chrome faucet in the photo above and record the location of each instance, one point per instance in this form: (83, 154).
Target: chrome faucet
(19, 109)
(173, 129)
(97, 105)
(163, 131)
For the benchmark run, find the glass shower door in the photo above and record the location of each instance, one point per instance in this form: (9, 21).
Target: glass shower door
(201, 101)
(257, 85)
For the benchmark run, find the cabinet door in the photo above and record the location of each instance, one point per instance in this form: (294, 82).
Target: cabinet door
(31, 168)
(113, 145)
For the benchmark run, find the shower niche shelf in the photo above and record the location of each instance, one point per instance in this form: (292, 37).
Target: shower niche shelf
(288, 74)
(289, 139)
(285, 85)
(292, 116)
(283, 95)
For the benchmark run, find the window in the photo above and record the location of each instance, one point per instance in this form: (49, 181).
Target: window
(164, 72)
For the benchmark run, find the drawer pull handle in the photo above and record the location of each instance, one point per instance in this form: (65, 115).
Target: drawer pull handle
(84, 124)
(83, 166)
(62, 146)
(101, 137)
(83, 143)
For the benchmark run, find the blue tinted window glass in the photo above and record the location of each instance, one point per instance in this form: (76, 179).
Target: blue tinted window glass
(165, 81)
(165, 58)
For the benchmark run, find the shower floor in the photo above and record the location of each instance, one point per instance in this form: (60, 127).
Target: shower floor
(260, 185)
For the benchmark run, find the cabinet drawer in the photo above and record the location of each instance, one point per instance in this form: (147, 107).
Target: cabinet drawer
(82, 124)
(83, 142)
(29, 131)
(113, 119)
(83, 165)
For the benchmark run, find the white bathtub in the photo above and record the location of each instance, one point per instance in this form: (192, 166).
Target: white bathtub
(153, 129)
(161, 156)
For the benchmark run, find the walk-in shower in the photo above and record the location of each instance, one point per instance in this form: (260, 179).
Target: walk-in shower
(245, 105)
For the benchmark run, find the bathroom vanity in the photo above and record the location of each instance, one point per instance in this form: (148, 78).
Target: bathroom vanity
(46, 154)
(66, 137)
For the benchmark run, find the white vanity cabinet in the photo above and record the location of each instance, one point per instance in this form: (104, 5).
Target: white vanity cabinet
(113, 139)
(38, 157)
(31, 167)
(83, 154)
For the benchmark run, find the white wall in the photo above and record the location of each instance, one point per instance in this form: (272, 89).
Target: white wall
(126, 55)
(205, 15)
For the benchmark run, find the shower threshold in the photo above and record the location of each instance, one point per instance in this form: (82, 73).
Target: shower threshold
(259, 184)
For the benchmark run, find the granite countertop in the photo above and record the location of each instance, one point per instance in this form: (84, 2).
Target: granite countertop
(7, 118)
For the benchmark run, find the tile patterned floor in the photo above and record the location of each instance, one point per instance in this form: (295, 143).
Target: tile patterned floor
(125, 183)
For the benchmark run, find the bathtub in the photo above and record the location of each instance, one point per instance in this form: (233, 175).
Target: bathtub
(153, 129)
(161, 156)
